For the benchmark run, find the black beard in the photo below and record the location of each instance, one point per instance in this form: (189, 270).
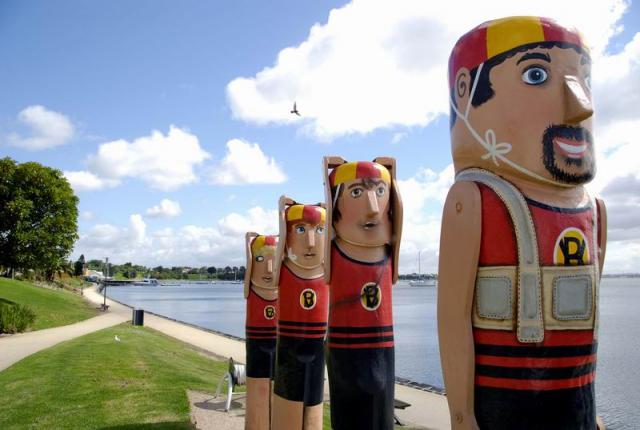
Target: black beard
(549, 155)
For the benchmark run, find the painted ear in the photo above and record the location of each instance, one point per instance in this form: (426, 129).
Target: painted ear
(462, 88)
(329, 162)
(248, 238)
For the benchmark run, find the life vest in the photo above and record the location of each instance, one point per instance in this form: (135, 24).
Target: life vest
(535, 311)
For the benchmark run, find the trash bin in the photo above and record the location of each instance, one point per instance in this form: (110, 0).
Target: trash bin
(138, 317)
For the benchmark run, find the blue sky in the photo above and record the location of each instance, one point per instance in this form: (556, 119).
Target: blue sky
(112, 71)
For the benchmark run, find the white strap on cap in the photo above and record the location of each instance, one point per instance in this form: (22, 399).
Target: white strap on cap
(530, 323)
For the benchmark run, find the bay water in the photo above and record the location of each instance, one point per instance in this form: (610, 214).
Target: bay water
(221, 307)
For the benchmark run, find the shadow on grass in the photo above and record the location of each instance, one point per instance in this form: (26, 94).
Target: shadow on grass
(218, 405)
(178, 425)
(6, 302)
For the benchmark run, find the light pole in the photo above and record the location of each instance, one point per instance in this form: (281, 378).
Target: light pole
(104, 290)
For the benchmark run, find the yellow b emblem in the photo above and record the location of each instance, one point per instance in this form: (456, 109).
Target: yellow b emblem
(371, 296)
(571, 249)
(269, 312)
(308, 299)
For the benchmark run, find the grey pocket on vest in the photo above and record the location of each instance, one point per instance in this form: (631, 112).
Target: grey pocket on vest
(493, 297)
(572, 298)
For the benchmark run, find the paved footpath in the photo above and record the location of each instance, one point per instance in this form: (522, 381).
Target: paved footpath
(18, 346)
(428, 410)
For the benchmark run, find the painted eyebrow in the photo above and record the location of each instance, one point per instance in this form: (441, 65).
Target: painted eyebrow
(361, 184)
(534, 56)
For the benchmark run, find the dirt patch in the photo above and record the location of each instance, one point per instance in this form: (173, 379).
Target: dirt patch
(207, 411)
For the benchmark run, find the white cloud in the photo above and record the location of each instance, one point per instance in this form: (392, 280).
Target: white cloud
(218, 244)
(87, 181)
(397, 137)
(166, 209)
(48, 129)
(245, 163)
(423, 196)
(105, 240)
(87, 215)
(164, 162)
(377, 64)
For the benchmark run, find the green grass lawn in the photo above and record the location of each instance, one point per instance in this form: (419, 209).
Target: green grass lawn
(94, 382)
(52, 307)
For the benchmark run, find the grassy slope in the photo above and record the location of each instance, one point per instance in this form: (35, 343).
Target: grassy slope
(95, 382)
(52, 307)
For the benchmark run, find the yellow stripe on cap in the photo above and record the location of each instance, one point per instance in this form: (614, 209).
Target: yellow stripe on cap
(294, 212)
(297, 212)
(359, 170)
(263, 245)
(507, 33)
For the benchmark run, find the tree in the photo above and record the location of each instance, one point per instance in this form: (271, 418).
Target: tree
(38, 217)
(78, 266)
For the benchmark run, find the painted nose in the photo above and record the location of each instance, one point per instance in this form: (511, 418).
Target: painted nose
(577, 102)
(372, 203)
(311, 239)
(269, 266)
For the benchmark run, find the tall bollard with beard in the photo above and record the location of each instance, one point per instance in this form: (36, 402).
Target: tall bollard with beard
(522, 244)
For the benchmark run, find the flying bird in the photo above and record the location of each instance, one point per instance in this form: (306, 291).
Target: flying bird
(117, 338)
(295, 109)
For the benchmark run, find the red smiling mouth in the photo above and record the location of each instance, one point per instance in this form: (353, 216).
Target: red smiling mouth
(571, 148)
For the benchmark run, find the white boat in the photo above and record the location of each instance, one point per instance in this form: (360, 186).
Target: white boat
(147, 282)
(423, 283)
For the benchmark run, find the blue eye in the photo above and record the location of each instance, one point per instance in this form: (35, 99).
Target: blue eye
(320, 229)
(300, 229)
(535, 75)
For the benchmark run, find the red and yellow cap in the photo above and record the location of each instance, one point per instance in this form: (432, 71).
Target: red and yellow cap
(358, 170)
(307, 213)
(501, 35)
(264, 245)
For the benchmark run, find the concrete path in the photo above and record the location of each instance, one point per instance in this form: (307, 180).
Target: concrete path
(16, 347)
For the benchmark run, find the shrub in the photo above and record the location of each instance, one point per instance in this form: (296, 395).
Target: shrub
(15, 318)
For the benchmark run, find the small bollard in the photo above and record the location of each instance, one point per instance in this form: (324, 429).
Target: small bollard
(138, 317)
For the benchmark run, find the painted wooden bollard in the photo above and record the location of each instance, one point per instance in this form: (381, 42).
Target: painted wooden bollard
(522, 244)
(364, 221)
(303, 303)
(261, 294)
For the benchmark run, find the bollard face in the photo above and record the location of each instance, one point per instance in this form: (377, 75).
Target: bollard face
(364, 212)
(522, 243)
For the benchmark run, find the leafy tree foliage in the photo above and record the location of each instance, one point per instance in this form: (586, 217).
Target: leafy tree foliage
(38, 217)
